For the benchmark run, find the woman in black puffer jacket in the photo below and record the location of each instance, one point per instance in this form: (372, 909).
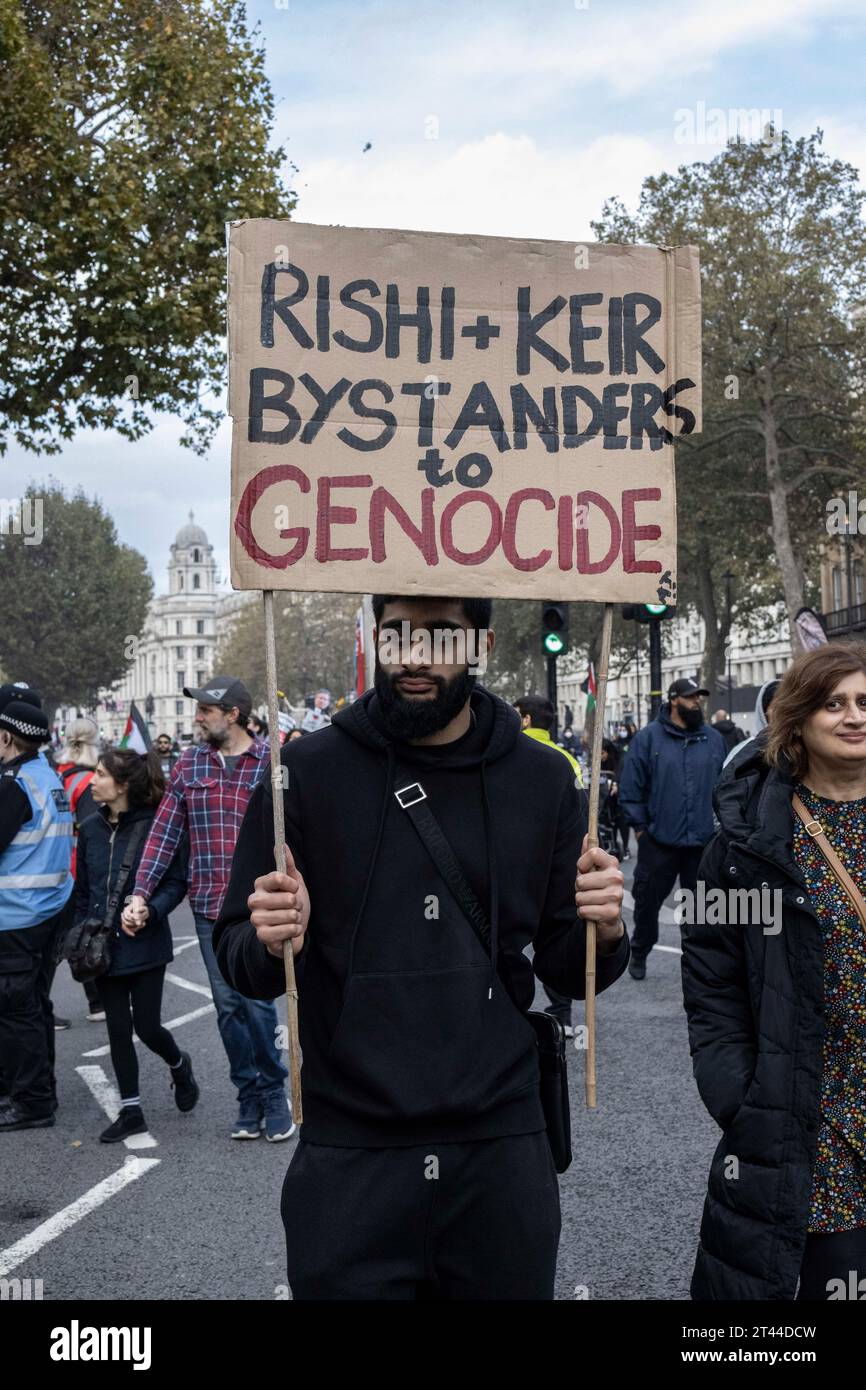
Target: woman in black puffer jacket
(777, 1008)
(127, 788)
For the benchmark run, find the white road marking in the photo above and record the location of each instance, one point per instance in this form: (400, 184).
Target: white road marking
(169, 1023)
(62, 1221)
(667, 915)
(106, 1095)
(186, 945)
(189, 984)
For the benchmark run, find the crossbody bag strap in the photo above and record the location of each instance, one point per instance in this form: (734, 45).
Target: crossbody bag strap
(816, 831)
(132, 844)
(413, 800)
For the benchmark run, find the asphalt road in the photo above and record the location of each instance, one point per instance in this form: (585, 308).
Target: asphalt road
(190, 1213)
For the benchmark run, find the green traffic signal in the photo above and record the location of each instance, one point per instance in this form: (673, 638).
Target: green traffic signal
(656, 609)
(554, 628)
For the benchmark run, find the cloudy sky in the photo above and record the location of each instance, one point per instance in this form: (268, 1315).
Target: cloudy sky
(515, 118)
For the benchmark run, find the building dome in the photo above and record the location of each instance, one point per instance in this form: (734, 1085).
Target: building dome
(190, 534)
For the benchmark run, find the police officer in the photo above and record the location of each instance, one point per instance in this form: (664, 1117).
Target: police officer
(35, 892)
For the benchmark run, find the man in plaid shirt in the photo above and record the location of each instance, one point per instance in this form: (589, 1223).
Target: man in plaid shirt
(206, 797)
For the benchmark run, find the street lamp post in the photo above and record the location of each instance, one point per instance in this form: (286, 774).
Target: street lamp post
(728, 578)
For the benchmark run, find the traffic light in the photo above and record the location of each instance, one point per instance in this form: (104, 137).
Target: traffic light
(645, 612)
(554, 628)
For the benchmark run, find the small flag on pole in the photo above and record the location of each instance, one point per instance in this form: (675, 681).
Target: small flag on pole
(135, 735)
(589, 688)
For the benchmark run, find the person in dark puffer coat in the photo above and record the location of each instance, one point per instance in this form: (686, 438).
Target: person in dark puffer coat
(127, 789)
(777, 1010)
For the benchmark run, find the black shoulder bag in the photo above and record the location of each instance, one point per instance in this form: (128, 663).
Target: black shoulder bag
(87, 946)
(549, 1032)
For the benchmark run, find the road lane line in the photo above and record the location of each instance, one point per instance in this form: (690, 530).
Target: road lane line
(169, 1023)
(64, 1220)
(188, 984)
(105, 1094)
(185, 945)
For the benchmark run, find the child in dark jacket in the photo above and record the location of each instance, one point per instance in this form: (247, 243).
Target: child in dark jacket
(127, 789)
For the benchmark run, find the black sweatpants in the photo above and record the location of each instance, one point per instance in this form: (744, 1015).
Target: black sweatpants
(143, 992)
(658, 868)
(468, 1221)
(26, 1016)
(833, 1264)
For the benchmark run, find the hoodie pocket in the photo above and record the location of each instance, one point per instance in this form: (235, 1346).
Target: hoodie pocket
(428, 1043)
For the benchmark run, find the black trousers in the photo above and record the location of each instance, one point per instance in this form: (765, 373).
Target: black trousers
(658, 868)
(472, 1221)
(559, 1006)
(26, 1016)
(833, 1266)
(135, 1001)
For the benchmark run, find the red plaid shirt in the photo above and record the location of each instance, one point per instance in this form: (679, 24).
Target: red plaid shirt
(204, 800)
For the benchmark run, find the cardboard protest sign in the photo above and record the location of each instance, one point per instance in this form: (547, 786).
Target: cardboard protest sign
(425, 413)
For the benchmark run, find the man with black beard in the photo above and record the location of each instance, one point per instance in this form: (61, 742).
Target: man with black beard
(424, 1168)
(666, 793)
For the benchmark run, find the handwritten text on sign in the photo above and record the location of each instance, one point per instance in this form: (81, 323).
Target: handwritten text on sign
(457, 414)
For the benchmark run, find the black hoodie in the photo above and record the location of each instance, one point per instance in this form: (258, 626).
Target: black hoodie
(408, 1032)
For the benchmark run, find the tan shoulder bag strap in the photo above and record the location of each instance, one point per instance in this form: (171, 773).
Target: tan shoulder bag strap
(816, 830)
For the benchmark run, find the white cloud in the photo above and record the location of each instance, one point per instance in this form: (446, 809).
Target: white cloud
(500, 185)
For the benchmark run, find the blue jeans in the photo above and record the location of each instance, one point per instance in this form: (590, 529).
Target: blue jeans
(248, 1028)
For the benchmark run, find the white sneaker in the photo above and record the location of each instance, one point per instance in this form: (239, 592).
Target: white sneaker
(98, 1016)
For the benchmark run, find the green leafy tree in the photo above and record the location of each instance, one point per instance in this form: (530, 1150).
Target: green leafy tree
(783, 259)
(130, 132)
(74, 601)
(315, 644)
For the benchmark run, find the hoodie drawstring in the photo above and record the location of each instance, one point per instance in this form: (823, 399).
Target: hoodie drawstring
(494, 880)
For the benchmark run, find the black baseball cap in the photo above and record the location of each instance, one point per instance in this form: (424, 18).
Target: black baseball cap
(223, 690)
(685, 686)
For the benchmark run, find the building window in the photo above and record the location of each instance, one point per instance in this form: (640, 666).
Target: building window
(858, 586)
(196, 581)
(178, 651)
(178, 627)
(199, 626)
(178, 709)
(180, 581)
(200, 678)
(196, 557)
(181, 680)
(837, 586)
(199, 653)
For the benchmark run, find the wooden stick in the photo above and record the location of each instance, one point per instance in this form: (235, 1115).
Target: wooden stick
(594, 788)
(280, 852)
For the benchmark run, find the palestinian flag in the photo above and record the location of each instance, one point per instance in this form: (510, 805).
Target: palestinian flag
(135, 735)
(588, 687)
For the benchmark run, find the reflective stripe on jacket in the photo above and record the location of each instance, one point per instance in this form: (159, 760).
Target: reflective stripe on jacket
(35, 881)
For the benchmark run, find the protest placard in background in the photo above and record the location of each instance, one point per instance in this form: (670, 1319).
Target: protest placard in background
(426, 413)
